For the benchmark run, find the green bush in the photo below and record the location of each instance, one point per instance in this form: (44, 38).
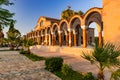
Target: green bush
(22, 51)
(31, 56)
(54, 64)
(66, 70)
(89, 76)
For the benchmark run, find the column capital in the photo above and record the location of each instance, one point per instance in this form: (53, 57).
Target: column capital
(52, 33)
(69, 41)
(38, 35)
(42, 35)
(69, 30)
(74, 32)
(46, 34)
(83, 27)
(60, 32)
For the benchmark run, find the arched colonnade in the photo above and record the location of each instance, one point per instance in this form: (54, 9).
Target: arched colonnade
(75, 32)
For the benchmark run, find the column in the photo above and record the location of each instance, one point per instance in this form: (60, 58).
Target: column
(49, 39)
(60, 38)
(42, 39)
(100, 39)
(67, 40)
(70, 39)
(38, 40)
(46, 39)
(75, 41)
(53, 40)
(84, 36)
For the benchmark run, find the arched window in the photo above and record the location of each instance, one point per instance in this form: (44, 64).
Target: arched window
(41, 23)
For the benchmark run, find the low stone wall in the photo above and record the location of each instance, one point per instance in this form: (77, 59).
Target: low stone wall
(75, 51)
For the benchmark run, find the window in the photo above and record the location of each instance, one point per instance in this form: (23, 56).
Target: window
(41, 23)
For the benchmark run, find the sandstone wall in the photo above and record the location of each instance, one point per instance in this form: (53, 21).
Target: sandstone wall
(111, 20)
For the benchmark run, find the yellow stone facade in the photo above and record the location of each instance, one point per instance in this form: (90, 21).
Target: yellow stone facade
(75, 32)
(50, 31)
(111, 20)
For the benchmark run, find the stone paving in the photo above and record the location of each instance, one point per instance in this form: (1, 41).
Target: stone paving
(77, 63)
(14, 66)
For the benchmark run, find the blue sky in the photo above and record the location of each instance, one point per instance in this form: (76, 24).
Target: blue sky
(27, 12)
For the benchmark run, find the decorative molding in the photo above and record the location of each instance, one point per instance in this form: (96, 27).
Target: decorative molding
(52, 32)
(83, 27)
(46, 34)
(69, 30)
(60, 32)
(74, 32)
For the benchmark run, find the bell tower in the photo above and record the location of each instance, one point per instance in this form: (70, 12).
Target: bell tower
(111, 20)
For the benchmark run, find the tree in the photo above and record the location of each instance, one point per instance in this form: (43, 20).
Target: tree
(27, 43)
(5, 15)
(13, 35)
(67, 14)
(1, 37)
(79, 12)
(104, 57)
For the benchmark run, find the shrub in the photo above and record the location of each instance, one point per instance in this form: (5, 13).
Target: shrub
(54, 64)
(89, 76)
(31, 56)
(22, 51)
(66, 70)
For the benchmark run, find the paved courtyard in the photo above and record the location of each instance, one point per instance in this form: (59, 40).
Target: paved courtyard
(76, 62)
(14, 66)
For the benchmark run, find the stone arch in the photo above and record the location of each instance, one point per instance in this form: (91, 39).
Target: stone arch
(49, 36)
(43, 36)
(75, 17)
(39, 32)
(75, 26)
(62, 22)
(63, 28)
(54, 24)
(55, 35)
(43, 32)
(48, 30)
(94, 15)
(40, 36)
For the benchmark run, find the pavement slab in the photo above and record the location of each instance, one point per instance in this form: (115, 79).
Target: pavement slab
(14, 66)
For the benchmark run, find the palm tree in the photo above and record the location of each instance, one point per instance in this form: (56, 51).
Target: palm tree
(27, 43)
(104, 57)
(13, 35)
(1, 36)
(115, 75)
(5, 15)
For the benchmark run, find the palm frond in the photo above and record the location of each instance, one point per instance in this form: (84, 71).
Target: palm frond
(115, 75)
(88, 57)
